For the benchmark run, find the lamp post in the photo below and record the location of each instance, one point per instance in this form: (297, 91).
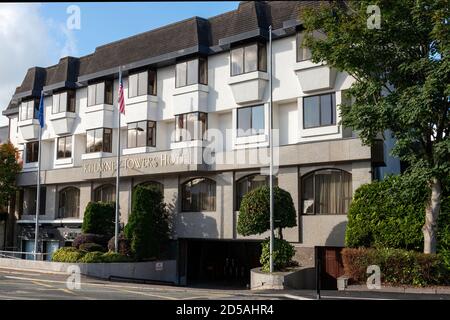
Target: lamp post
(271, 152)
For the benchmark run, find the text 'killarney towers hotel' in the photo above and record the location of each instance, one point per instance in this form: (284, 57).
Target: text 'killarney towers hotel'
(196, 124)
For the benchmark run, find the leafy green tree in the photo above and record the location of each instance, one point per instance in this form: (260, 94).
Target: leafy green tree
(148, 225)
(9, 168)
(254, 213)
(402, 86)
(99, 218)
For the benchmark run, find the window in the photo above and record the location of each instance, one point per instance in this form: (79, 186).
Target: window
(32, 151)
(142, 83)
(153, 184)
(105, 193)
(303, 53)
(28, 110)
(319, 110)
(186, 129)
(30, 200)
(326, 192)
(64, 102)
(99, 140)
(191, 72)
(198, 195)
(142, 134)
(69, 203)
(248, 59)
(249, 183)
(64, 147)
(250, 121)
(100, 93)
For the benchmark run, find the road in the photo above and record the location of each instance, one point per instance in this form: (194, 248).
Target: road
(30, 285)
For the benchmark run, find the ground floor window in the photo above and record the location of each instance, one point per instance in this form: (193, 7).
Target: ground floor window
(105, 193)
(326, 191)
(249, 183)
(69, 203)
(199, 194)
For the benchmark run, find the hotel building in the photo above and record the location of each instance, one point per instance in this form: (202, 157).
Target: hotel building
(196, 124)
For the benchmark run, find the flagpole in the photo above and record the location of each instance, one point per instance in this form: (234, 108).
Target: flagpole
(38, 188)
(116, 230)
(271, 154)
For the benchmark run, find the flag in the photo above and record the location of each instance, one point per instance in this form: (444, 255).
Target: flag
(121, 98)
(41, 111)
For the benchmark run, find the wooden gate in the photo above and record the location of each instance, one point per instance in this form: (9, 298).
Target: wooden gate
(331, 266)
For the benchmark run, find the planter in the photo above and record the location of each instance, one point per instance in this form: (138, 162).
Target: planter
(295, 278)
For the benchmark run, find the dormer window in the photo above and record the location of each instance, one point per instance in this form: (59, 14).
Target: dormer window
(191, 72)
(28, 110)
(142, 83)
(64, 102)
(248, 58)
(100, 93)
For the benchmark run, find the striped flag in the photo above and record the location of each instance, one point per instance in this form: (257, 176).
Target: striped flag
(121, 97)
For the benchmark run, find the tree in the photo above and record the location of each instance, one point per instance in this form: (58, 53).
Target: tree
(9, 168)
(99, 218)
(254, 213)
(148, 226)
(402, 74)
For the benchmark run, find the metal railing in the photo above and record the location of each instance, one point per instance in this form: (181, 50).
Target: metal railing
(21, 255)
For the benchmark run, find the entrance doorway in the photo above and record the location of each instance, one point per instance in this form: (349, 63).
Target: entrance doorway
(224, 263)
(331, 266)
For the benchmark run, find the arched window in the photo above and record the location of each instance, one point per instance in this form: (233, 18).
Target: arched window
(249, 183)
(326, 191)
(69, 203)
(198, 194)
(105, 193)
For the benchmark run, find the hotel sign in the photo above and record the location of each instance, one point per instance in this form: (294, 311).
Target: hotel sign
(140, 164)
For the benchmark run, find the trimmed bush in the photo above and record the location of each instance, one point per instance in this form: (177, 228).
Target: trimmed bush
(115, 257)
(91, 247)
(148, 225)
(92, 257)
(124, 245)
(391, 213)
(90, 238)
(67, 254)
(254, 211)
(398, 267)
(283, 252)
(99, 218)
(73, 255)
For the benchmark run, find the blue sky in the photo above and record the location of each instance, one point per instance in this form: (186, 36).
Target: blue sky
(102, 23)
(36, 34)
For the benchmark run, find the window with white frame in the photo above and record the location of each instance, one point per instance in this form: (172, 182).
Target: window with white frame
(28, 110)
(191, 72)
(100, 93)
(185, 126)
(64, 147)
(63, 102)
(248, 58)
(142, 83)
(250, 121)
(319, 111)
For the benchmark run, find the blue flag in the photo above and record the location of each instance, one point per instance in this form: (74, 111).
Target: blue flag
(41, 111)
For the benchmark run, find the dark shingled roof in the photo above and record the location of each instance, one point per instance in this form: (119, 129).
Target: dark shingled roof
(197, 34)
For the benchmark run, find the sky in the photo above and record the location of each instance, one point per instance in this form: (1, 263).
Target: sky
(40, 34)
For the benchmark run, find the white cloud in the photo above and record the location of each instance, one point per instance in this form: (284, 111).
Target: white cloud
(27, 39)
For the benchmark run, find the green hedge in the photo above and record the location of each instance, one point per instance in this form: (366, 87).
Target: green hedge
(68, 254)
(148, 224)
(391, 213)
(398, 267)
(283, 252)
(254, 211)
(99, 218)
(73, 255)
